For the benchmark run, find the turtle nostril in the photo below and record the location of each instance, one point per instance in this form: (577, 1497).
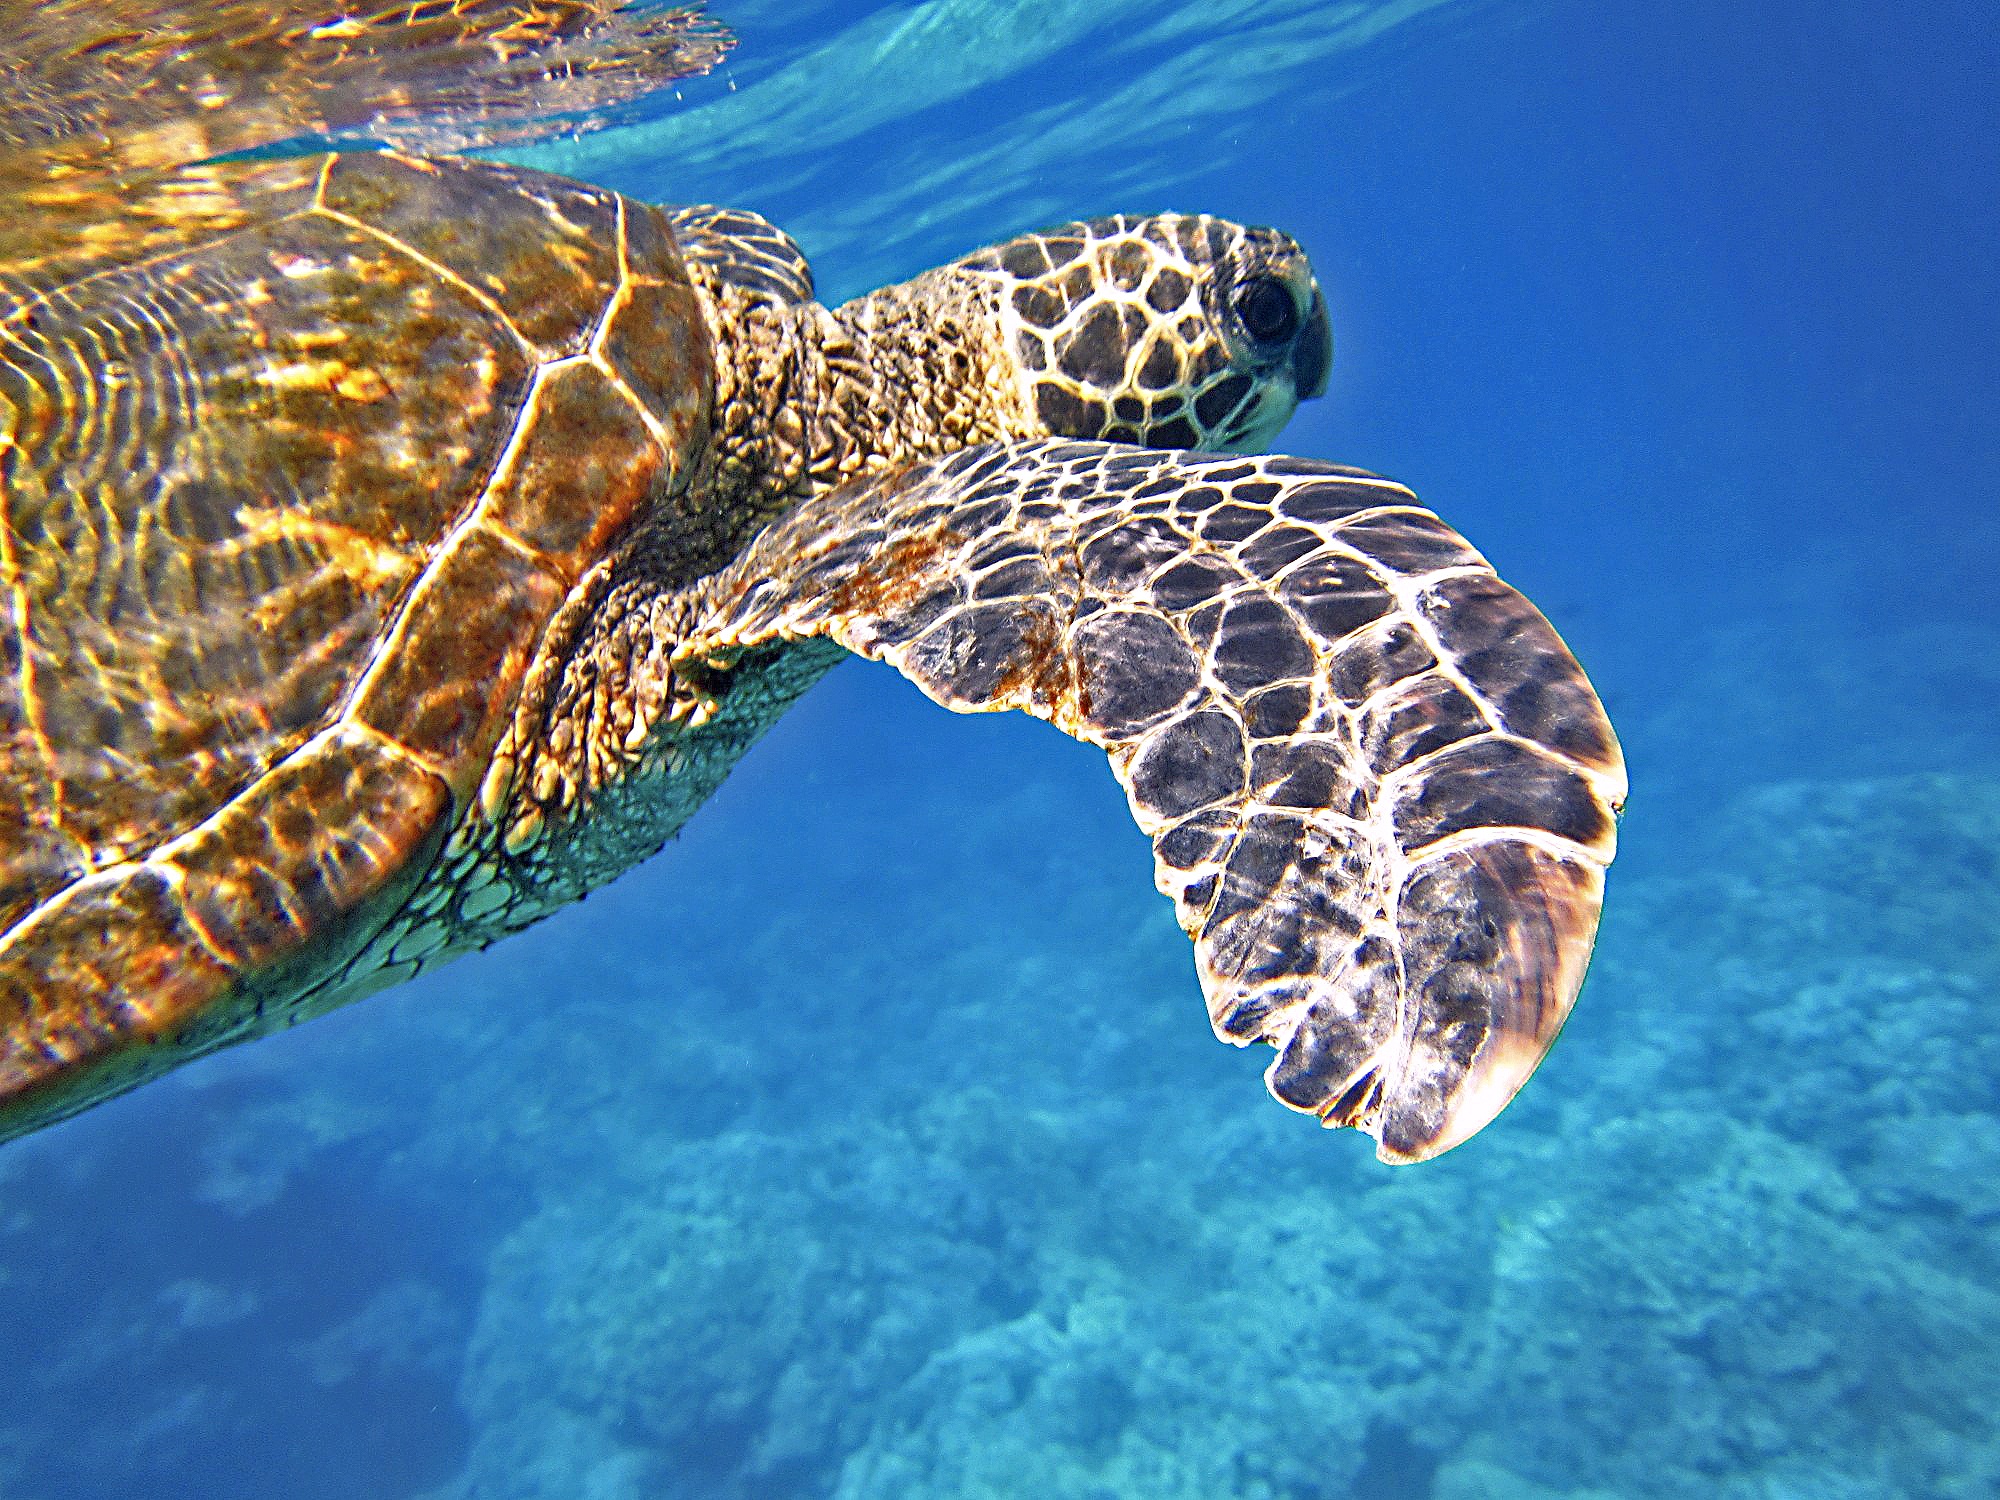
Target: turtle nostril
(1312, 354)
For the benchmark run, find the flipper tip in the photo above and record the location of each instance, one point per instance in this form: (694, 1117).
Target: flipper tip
(1490, 946)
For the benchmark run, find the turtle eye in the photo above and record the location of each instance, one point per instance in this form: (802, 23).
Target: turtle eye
(1265, 306)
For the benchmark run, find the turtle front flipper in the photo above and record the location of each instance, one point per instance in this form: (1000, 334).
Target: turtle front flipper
(1379, 788)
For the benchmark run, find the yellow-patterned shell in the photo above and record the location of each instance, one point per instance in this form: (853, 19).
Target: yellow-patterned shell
(298, 458)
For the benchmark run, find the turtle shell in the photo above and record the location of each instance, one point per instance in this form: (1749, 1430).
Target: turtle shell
(298, 458)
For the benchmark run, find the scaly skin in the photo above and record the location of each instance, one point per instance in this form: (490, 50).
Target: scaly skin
(1076, 324)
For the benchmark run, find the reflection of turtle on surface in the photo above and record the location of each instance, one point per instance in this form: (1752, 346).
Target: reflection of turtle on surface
(397, 547)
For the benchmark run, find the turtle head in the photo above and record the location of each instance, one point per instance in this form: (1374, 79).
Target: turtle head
(1170, 331)
(1175, 330)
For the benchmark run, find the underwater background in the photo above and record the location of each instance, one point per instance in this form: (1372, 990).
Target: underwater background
(871, 1141)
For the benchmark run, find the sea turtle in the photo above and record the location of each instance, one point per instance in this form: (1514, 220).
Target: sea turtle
(399, 545)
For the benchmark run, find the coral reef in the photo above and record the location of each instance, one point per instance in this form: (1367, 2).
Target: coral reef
(835, 1211)
(1726, 1249)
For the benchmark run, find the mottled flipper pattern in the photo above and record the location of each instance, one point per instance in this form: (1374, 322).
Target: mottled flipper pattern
(1379, 788)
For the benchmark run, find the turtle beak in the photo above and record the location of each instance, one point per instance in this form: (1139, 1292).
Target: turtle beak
(1312, 352)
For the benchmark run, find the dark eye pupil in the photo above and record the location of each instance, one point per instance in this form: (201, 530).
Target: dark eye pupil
(1267, 310)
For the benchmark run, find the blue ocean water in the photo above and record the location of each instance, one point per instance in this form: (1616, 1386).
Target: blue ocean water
(871, 1141)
